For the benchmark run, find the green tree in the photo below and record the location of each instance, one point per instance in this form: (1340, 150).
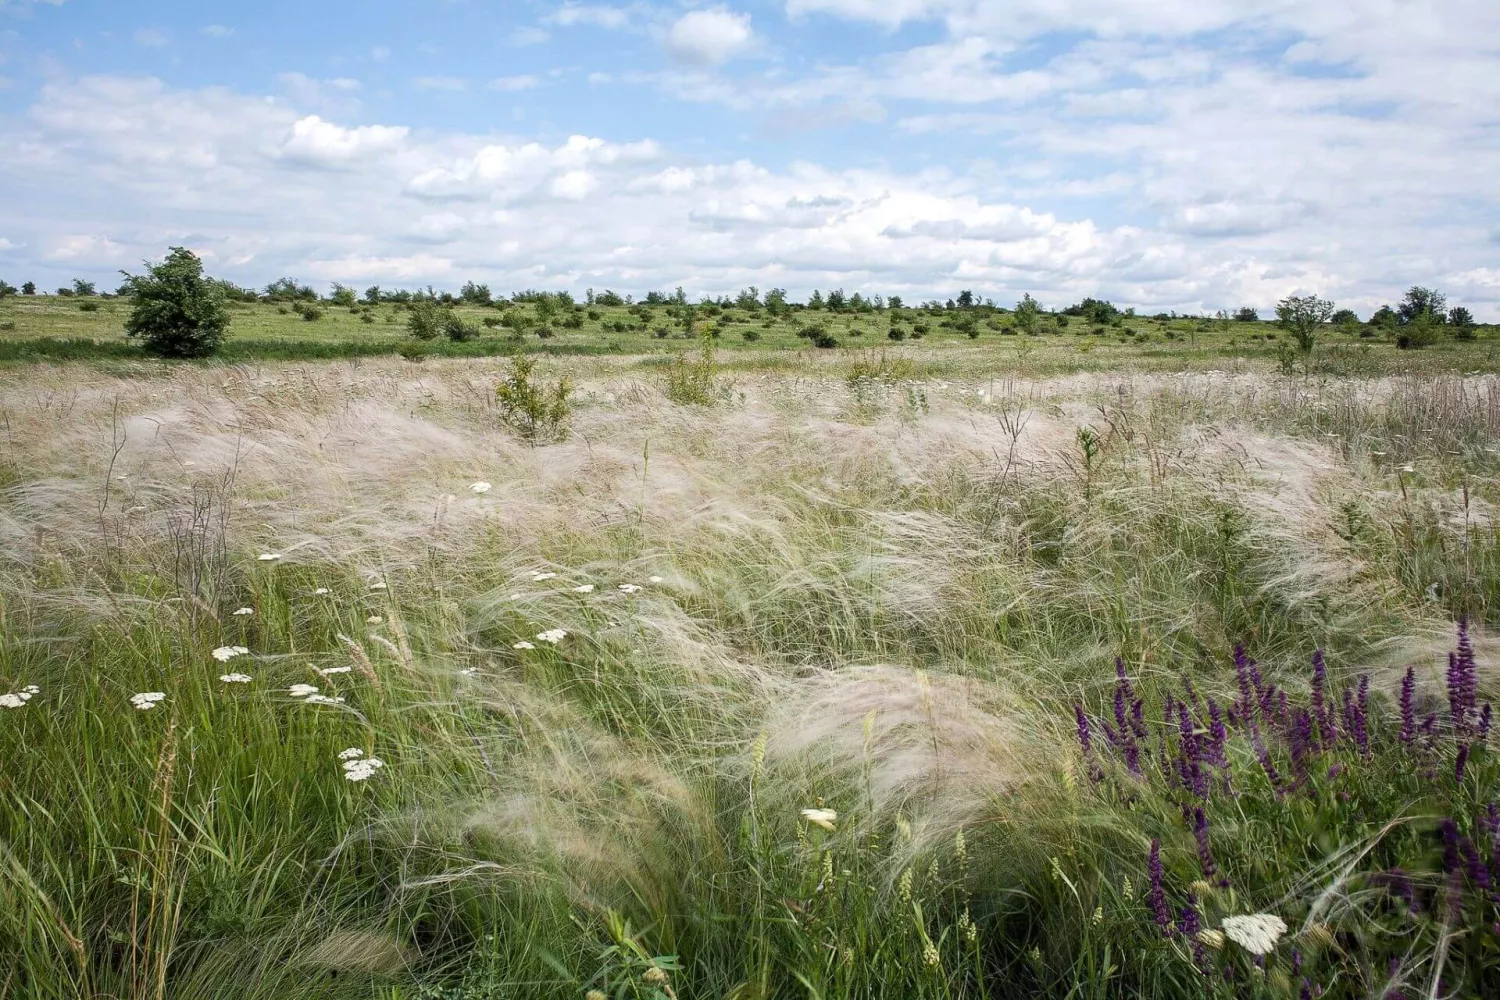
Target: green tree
(426, 319)
(1247, 315)
(6, 288)
(966, 299)
(343, 296)
(815, 301)
(176, 312)
(1383, 318)
(1301, 315)
(894, 302)
(28, 288)
(1420, 301)
(748, 298)
(1028, 314)
(1462, 323)
(83, 288)
(776, 303)
(476, 295)
(372, 295)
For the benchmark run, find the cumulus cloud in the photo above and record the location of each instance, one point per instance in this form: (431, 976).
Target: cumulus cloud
(218, 31)
(1254, 207)
(709, 37)
(314, 141)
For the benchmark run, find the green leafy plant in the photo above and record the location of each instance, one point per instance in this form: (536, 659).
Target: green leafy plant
(693, 382)
(1301, 316)
(538, 413)
(176, 312)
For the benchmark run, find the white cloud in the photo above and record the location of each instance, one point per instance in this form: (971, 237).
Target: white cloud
(450, 84)
(510, 84)
(151, 38)
(595, 15)
(1237, 192)
(710, 36)
(314, 141)
(218, 31)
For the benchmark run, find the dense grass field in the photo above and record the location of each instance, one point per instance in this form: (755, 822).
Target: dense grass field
(1010, 667)
(58, 328)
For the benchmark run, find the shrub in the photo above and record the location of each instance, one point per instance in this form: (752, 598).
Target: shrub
(309, 312)
(544, 332)
(1247, 315)
(896, 333)
(693, 383)
(1420, 332)
(367, 317)
(66, 293)
(28, 288)
(83, 288)
(1420, 301)
(490, 322)
(1028, 315)
(413, 352)
(176, 312)
(1301, 316)
(456, 330)
(538, 413)
(823, 339)
(1462, 323)
(88, 307)
(424, 320)
(750, 336)
(342, 295)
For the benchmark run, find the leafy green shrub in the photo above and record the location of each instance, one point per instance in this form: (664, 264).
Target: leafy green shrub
(544, 332)
(823, 339)
(176, 312)
(456, 330)
(661, 332)
(693, 382)
(424, 320)
(490, 322)
(413, 352)
(750, 336)
(367, 317)
(896, 333)
(309, 312)
(8, 325)
(88, 307)
(537, 412)
(594, 314)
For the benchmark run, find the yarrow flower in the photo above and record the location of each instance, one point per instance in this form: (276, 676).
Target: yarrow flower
(1257, 933)
(331, 671)
(821, 817)
(653, 579)
(226, 653)
(147, 700)
(351, 753)
(587, 588)
(236, 678)
(523, 644)
(480, 487)
(244, 611)
(302, 690)
(18, 699)
(553, 635)
(630, 588)
(322, 699)
(321, 591)
(360, 768)
(539, 577)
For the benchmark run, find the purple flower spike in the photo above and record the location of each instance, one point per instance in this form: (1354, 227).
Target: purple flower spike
(1217, 734)
(1486, 716)
(1190, 927)
(1085, 737)
(1205, 852)
(1320, 699)
(1157, 895)
(1461, 763)
(1408, 707)
(1463, 682)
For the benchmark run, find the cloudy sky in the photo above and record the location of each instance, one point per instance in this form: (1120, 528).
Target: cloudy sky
(1166, 154)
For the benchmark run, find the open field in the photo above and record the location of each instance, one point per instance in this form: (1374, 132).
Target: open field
(56, 328)
(875, 585)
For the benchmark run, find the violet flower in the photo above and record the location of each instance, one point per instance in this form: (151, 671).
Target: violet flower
(1205, 851)
(1408, 708)
(1461, 762)
(1156, 894)
(1085, 738)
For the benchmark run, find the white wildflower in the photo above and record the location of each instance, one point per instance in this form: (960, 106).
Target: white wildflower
(523, 644)
(553, 635)
(11, 701)
(302, 690)
(226, 653)
(378, 585)
(320, 591)
(653, 579)
(236, 678)
(821, 817)
(359, 769)
(268, 556)
(244, 611)
(146, 700)
(322, 699)
(374, 620)
(351, 753)
(331, 671)
(1257, 933)
(587, 588)
(630, 588)
(480, 487)
(539, 577)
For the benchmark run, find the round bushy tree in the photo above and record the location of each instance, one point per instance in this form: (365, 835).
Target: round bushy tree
(177, 312)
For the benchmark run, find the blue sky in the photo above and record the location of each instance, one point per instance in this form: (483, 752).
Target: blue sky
(1167, 154)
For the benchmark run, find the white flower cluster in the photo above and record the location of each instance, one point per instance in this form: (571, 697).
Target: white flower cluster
(240, 613)
(236, 678)
(147, 700)
(226, 653)
(523, 644)
(330, 671)
(358, 767)
(587, 588)
(1257, 933)
(302, 690)
(630, 588)
(268, 556)
(553, 635)
(16, 699)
